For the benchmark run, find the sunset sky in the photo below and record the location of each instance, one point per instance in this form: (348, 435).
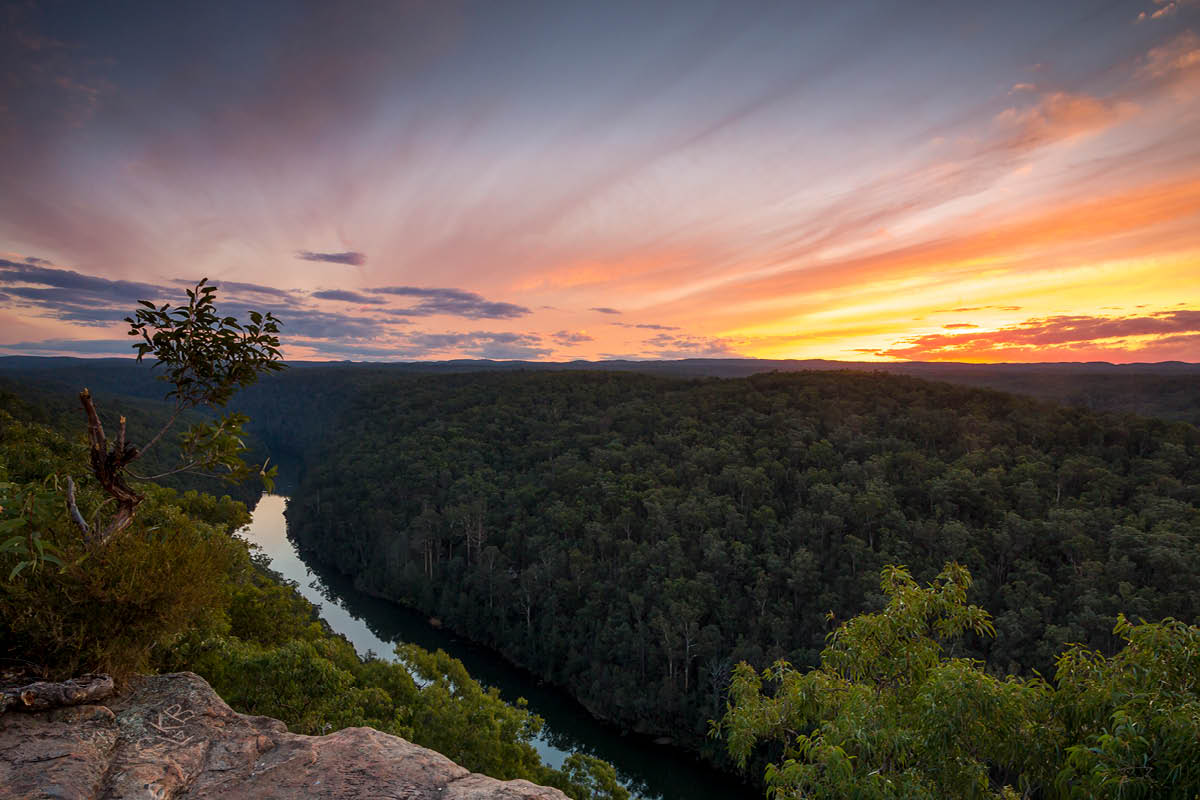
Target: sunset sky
(430, 180)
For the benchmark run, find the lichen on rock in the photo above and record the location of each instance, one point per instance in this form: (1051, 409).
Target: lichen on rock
(171, 736)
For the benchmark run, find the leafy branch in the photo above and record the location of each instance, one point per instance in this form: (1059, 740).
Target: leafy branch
(206, 358)
(25, 511)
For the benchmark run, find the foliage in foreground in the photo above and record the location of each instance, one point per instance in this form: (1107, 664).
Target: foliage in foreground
(108, 608)
(176, 590)
(888, 715)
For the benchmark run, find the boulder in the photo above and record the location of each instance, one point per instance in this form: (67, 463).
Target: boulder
(171, 736)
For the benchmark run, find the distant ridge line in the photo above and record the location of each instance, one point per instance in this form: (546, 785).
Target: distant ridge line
(697, 366)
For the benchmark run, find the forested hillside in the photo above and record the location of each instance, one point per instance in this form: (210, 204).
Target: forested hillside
(633, 537)
(177, 590)
(53, 401)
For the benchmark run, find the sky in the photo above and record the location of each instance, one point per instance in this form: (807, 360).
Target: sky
(868, 181)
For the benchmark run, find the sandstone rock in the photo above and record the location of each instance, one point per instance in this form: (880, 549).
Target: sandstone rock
(171, 736)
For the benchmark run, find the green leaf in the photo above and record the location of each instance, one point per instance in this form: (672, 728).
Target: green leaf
(12, 544)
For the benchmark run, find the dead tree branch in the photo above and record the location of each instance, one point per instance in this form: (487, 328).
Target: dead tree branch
(73, 509)
(108, 467)
(44, 695)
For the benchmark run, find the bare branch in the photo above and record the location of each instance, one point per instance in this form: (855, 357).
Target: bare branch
(108, 467)
(74, 510)
(176, 471)
(164, 428)
(96, 435)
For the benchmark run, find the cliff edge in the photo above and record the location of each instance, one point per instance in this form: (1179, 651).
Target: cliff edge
(171, 736)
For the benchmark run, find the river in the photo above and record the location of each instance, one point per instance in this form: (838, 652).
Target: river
(648, 770)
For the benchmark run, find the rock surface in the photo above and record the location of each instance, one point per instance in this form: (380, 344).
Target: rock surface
(171, 736)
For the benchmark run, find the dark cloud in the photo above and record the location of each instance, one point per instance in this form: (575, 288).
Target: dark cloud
(313, 324)
(604, 310)
(452, 302)
(242, 288)
(55, 346)
(88, 315)
(957, 325)
(41, 262)
(349, 297)
(650, 326)
(13, 272)
(1048, 333)
(568, 338)
(88, 300)
(350, 257)
(72, 296)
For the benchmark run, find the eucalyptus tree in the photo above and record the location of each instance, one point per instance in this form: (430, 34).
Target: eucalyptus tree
(206, 358)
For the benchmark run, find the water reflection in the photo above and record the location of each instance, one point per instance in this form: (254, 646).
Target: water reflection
(651, 771)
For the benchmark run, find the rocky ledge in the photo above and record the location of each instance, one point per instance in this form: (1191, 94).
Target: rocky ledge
(171, 736)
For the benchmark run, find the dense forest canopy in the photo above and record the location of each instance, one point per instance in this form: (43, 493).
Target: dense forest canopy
(632, 537)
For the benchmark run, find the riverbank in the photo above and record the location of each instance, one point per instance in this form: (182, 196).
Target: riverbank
(652, 771)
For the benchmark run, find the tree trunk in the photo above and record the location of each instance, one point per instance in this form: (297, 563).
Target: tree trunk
(108, 467)
(44, 695)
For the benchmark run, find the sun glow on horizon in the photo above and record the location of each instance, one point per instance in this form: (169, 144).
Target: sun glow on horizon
(481, 192)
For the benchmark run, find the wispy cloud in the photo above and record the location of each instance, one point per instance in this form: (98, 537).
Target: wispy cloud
(347, 296)
(672, 346)
(452, 302)
(477, 344)
(235, 287)
(1061, 115)
(966, 309)
(649, 326)
(1165, 8)
(350, 257)
(604, 310)
(1180, 54)
(569, 338)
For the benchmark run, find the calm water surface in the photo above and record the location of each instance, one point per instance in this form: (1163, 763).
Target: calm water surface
(651, 771)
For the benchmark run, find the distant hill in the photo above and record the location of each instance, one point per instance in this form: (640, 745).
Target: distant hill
(1169, 389)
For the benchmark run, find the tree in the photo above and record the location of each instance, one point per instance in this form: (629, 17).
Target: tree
(885, 715)
(206, 358)
(1133, 720)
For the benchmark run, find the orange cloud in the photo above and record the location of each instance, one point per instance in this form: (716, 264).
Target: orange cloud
(1022, 243)
(1060, 338)
(1178, 55)
(1062, 115)
(658, 269)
